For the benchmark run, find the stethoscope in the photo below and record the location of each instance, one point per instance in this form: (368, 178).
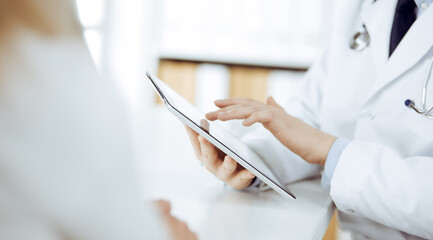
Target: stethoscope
(424, 110)
(361, 40)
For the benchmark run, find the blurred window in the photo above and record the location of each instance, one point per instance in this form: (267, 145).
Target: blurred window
(92, 17)
(282, 33)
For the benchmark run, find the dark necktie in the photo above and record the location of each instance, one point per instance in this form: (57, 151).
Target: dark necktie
(405, 16)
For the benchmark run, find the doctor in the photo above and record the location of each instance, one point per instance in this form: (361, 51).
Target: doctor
(350, 117)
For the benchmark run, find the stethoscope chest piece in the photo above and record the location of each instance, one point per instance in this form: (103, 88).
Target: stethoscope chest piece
(360, 40)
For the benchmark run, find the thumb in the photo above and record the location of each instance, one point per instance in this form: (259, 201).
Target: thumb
(271, 101)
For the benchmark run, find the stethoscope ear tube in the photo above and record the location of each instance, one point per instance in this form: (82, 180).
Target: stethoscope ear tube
(411, 104)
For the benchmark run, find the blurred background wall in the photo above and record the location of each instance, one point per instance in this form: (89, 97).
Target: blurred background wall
(250, 48)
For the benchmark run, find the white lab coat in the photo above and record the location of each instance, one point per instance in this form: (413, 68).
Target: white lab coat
(383, 183)
(66, 167)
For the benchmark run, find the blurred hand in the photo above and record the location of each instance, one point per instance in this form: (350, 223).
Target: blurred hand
(218, 163)
(308, 142)
(178, 229)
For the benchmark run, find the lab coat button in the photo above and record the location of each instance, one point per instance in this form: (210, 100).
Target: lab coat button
(424, 5)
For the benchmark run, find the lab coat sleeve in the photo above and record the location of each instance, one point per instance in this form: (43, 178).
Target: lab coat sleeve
(305, 105)
(332, 160)
(373, 181)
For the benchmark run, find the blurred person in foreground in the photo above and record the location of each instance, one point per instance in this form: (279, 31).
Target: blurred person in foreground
(66, 169)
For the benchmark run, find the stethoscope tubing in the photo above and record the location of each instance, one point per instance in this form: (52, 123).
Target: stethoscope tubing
(427, 112)
(424, 89)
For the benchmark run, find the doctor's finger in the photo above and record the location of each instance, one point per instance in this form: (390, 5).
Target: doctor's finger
(242, 179)
(234, 101)
(237, 113)
(214, 115)
(227, 169)
(262, 116)
(240, 111)
(271, 101)
(209, 155)
(194, 142)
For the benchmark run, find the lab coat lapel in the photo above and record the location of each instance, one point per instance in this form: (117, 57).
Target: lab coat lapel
(416, 43)
(377, 18)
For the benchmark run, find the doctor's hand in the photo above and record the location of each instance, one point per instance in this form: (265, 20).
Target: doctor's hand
(178, 229)
(218, 163)
(308, 142)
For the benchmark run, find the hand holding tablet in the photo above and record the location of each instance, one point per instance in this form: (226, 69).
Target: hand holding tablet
(218, 163)
(219, 142)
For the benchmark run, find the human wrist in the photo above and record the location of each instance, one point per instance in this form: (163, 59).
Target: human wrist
(319, 147)
(325, 144)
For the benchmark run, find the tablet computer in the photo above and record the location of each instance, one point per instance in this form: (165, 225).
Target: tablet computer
(218, 136)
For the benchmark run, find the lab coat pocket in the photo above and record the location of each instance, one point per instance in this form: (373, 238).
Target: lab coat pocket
(419, 124)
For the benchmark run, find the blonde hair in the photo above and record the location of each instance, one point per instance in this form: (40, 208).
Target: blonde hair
(47, 17)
